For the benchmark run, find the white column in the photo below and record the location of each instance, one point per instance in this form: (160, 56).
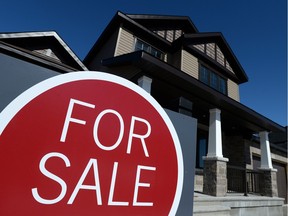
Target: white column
(145, 83)
(215, 135)
(266, 161)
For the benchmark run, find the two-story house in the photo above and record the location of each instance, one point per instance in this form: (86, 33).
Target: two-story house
(187, 71)
(196, 74)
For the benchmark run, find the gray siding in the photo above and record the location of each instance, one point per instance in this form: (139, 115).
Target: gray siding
(200, 47)
(125, 42)
(189, 64)
(169, 35)
(214, 52)
(233, 90)
(210, 50)
(122, 43)
(17, 75)
(220, 56)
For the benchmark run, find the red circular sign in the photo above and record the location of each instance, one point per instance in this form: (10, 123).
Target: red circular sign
(88, 143)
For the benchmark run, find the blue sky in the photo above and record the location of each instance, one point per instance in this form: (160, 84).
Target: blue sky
(256, 30)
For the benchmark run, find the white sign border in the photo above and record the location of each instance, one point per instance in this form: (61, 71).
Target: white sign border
(19, 102)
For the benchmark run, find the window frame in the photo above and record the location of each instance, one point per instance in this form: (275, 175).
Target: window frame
(213, 79)
(150, 49)
(201, 147)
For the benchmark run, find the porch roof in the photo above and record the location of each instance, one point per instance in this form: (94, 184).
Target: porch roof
(232, 110)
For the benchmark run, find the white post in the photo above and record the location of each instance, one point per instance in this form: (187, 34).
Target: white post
(215, 135)
(145, 83)
(266, 161)
(215, 165)
(270, 187)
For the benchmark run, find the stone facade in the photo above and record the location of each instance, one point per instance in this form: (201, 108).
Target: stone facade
(198, 180)
(269, 183)
(215, 177)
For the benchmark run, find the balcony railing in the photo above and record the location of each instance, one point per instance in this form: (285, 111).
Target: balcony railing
(241, 180)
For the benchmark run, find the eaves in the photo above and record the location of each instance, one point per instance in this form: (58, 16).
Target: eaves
(158, 69)
(35, 58)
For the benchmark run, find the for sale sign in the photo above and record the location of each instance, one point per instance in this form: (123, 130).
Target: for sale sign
(88, 143)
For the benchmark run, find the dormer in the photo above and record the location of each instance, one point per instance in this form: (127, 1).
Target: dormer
(208, 58)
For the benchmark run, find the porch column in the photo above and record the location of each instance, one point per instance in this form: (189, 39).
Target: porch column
(215, 165)
(269, 185)
(215, 135)
(145, 83)
(266, 161)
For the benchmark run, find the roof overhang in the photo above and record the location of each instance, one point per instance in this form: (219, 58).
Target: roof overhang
(21, 40)
(158, 69)
(188, 40)
(172, 22)
(131, 22)
(34, 58)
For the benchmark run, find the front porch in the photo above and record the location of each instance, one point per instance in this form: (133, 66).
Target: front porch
(240, 181)
(224, 138)
(225, 163)
(235, 204)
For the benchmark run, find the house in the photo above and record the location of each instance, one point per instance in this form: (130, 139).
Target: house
(27, 58)
(197, 74)
(186, 71)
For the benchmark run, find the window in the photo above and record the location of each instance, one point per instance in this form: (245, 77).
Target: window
(212, 79)
(140, 45)
(201, 148)
(201, 151)
(204, 75)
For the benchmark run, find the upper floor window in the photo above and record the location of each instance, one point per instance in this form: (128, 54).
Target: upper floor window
(212, 79)
(141, 45)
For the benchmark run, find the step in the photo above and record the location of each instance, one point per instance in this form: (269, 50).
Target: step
(237, 205)
(208, 210)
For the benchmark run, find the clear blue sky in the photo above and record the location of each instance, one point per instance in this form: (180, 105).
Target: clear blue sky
(256, 30)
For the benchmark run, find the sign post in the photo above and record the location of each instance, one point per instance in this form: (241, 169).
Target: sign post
(85, 143)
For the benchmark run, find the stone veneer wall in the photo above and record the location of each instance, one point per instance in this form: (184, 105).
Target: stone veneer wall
(215, 177)
(269, 183)
(198, 180)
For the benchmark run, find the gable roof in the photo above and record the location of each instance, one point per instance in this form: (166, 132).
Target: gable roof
(153, 22)
(47, 47)
(143, 25)
(146, 25)
(159, 69)
(124, 20)
(189, 40)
